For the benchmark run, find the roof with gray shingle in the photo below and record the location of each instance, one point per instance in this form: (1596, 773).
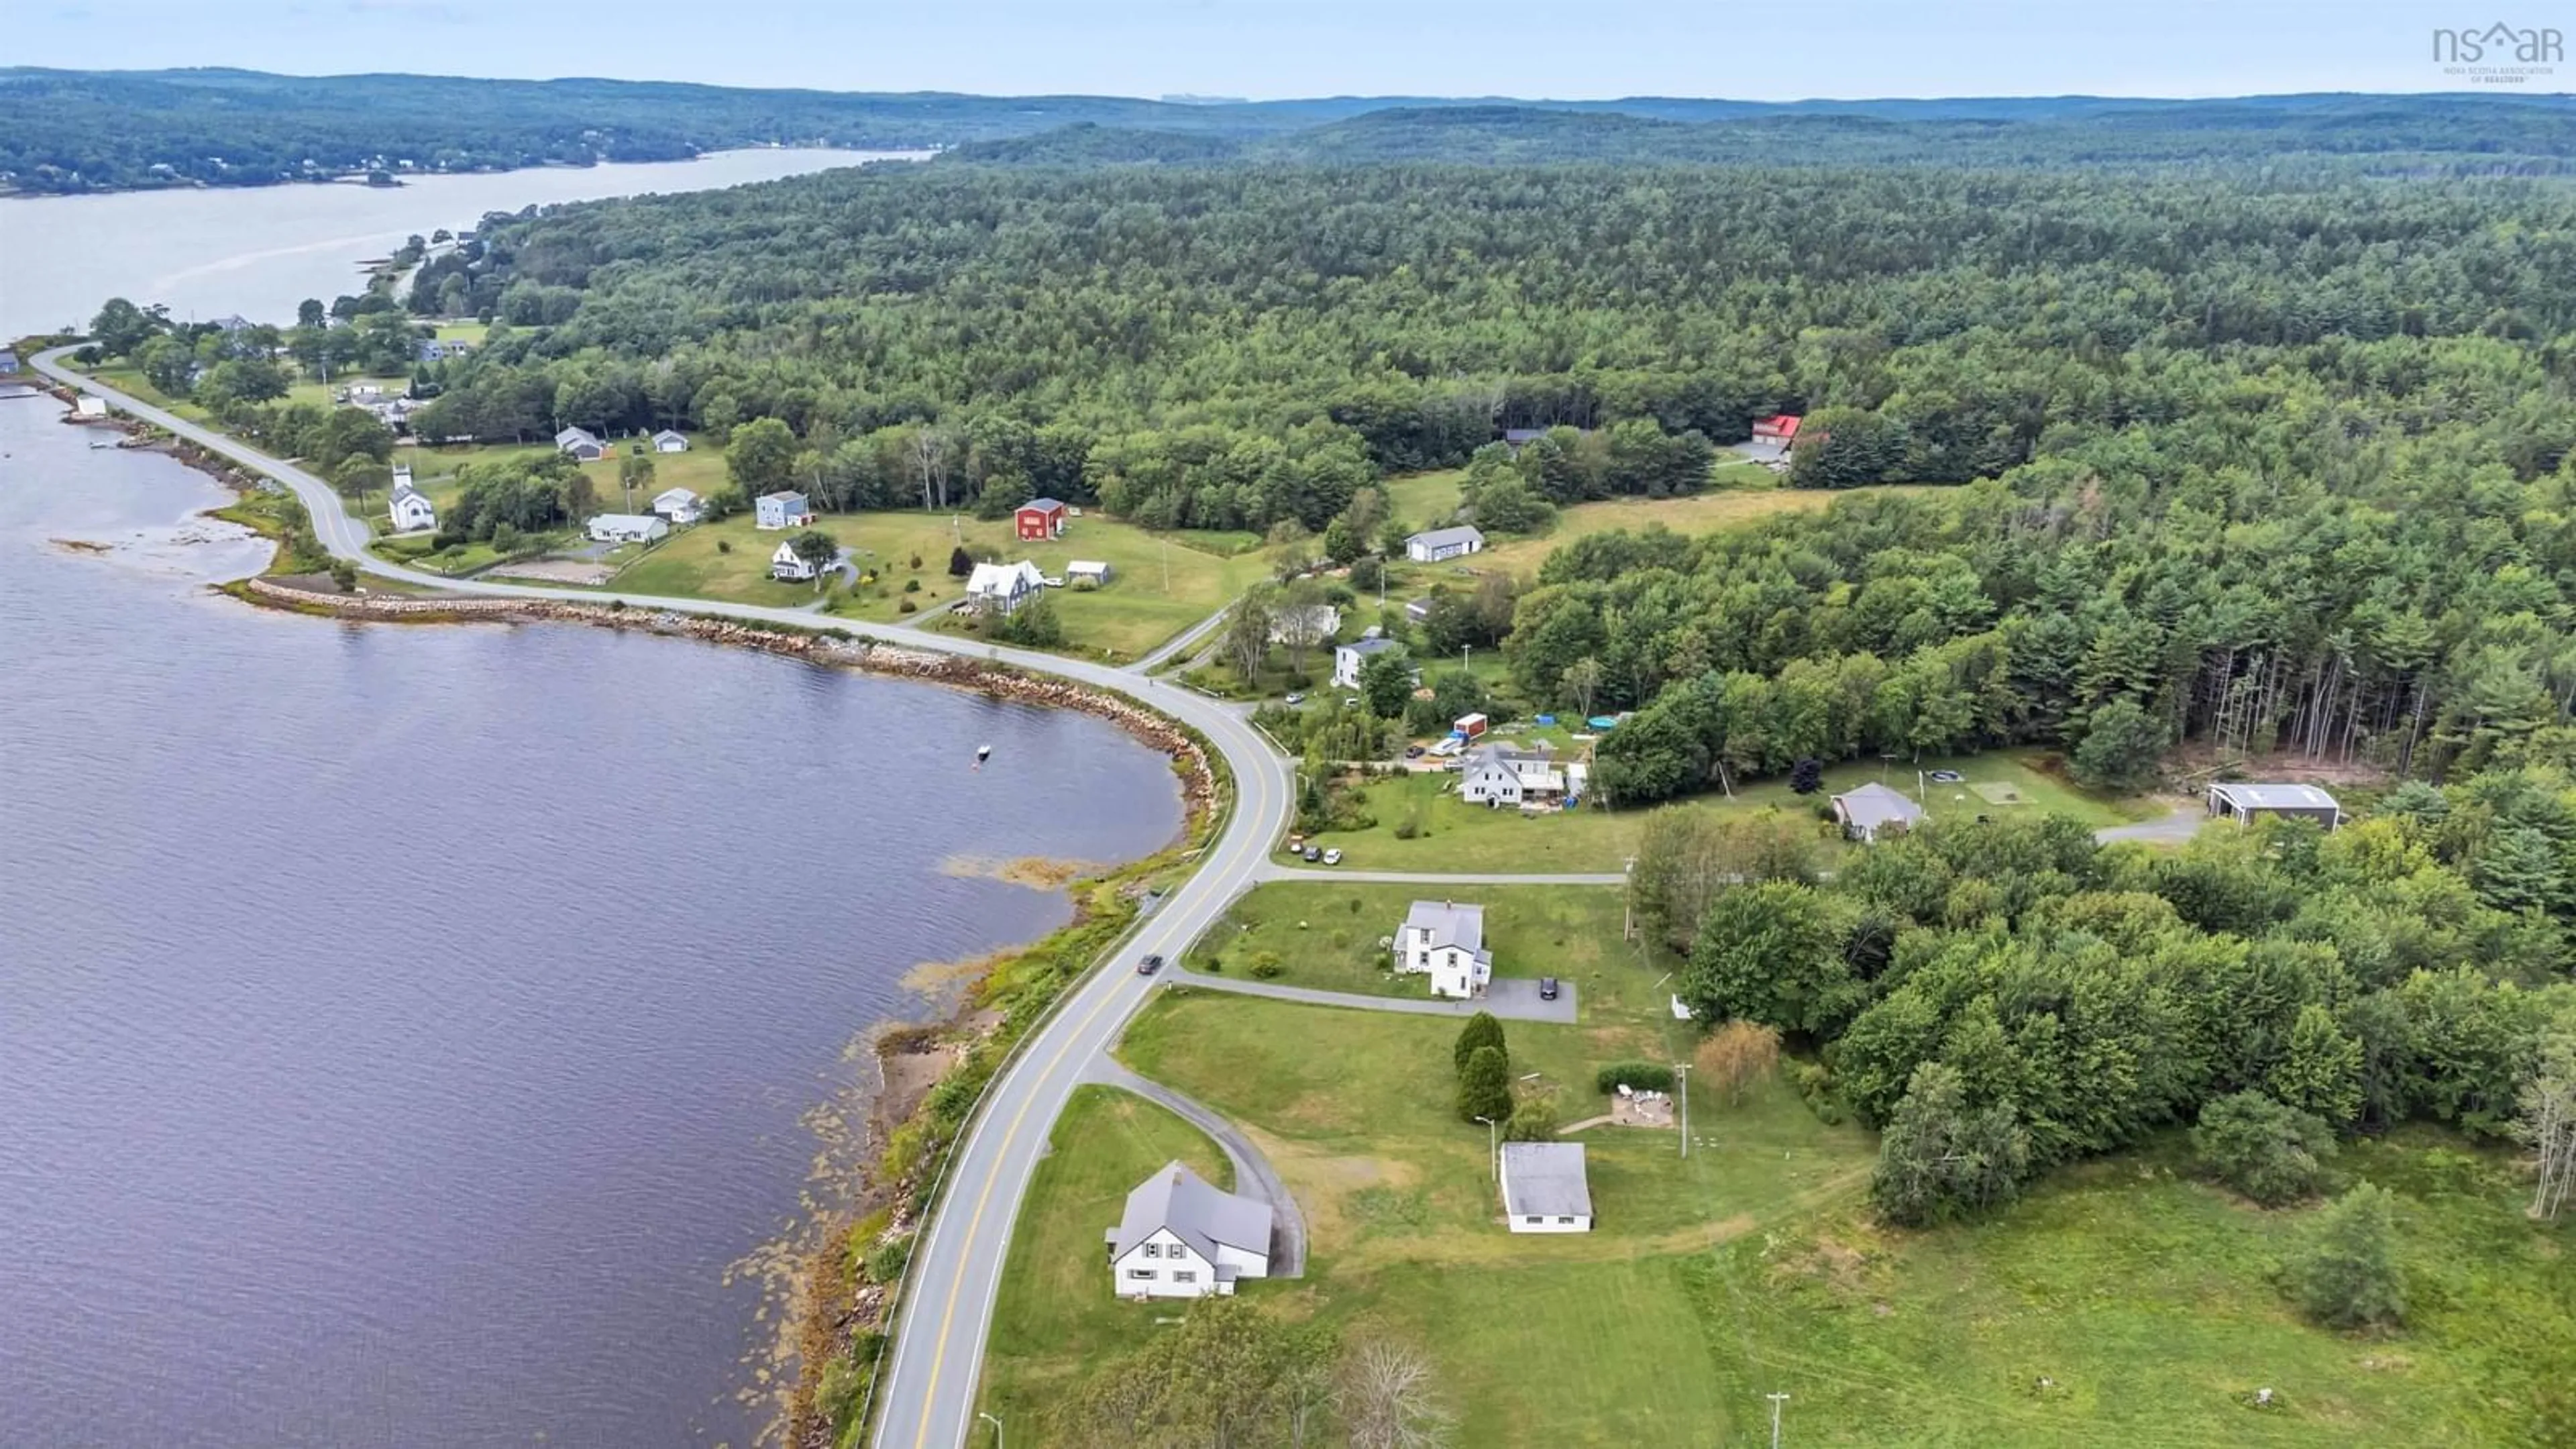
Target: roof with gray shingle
(1195, 1211)
(1874, 805)
(1465, 533)
(2251, 796)
(1545, 1179)
(1450, 924)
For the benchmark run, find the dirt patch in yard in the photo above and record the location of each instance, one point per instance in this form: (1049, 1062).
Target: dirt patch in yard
(582, 572)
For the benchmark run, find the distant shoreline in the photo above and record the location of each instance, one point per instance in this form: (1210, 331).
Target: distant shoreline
(403, 179)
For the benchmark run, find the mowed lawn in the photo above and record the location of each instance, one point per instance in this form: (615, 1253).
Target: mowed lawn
(1445, 833)
(1326, 935)
(1056, 1320)
(1720, 508)
(1578, 1339)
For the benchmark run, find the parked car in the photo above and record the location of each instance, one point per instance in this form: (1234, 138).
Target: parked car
(1547, 988)
(1149, 965)
(1296, 699)
(1314, 853)
(1332, 857)
(1413, 752)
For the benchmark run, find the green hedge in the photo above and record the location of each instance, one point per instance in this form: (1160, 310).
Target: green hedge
(1637, 1076)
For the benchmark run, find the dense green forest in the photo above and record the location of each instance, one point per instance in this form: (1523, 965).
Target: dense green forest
(66, 131)
(2270, 461)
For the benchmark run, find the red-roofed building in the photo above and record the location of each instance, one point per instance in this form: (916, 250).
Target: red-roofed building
(1781, 428)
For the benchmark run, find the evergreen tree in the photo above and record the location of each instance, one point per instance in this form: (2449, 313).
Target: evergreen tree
(2347, 1276)
(2271, 1153)
(1481, 1030)
(1485, 1086)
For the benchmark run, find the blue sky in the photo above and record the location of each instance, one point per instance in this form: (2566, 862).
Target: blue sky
(1264, 49)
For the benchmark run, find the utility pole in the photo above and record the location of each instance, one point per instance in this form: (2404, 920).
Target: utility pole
(1681, 1095)
(1776, 1401)
(997, 1427)
(1493, 1151)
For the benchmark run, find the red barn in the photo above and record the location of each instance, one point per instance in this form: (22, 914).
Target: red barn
(1040, 519)
(1781, 428)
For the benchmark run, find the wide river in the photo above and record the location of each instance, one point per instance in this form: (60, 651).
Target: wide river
(258, 251)
(403, 1029)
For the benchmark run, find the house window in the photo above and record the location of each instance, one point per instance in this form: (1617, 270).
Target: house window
(1568, 1222)
(1533, 1221)
(1185, 1277)
(1153, 1250)
(1146, 1274)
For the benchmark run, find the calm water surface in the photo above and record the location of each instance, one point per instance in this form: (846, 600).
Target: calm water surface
(402, 1028)
(260, 250)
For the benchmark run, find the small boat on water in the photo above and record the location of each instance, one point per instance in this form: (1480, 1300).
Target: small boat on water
(982, 753)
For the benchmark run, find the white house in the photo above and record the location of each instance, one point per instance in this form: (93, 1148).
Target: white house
(1445, 941)
(578, 443)
(679, 505)
(411, 509)
(1501, 775)
(1874, 808)
(1545, 1189)
(1085, 573)
(628, 528)
(1002, 588)
(1444, 543)
(667, 441)
(1347, 659)
(786, 567)
(1311, 623)
(1182, 1238)
(779, 510)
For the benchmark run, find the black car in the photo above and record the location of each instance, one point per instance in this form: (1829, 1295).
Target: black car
(1547, 988)
(1314, 853)
(1149, 965)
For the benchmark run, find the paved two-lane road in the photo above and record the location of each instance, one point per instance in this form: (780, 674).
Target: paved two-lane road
(928, 1393)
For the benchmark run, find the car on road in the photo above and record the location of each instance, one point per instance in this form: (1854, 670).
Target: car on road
(1314, 853)
(1547, 988)
(1296, 699)
(1332, 857)
(1151, 964)
(1413, 752)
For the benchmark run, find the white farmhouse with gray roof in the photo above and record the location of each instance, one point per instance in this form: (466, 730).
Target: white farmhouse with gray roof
(1500, 775)
(1873, 808)
(1545, 1188)
(1347, 659)
(1181, 1237)
(1444, 543)
(577, 443)
(1445, 941)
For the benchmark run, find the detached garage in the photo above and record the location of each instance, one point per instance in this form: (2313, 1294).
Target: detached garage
(2242, 802)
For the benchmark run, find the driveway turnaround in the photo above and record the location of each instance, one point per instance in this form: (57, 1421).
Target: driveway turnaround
(1253, 1175)
(1512, 998)
(927, 1395)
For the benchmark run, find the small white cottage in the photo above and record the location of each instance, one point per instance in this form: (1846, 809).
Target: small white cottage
(1445, 941)
(786, 567)
(411, 509)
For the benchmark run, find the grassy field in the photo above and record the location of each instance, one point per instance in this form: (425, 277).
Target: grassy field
(1326, 936)
(1452, 835)
(1554, 1340)
(2121, 1302)
(1726, 507)
(2145, 1302)
(1055, 1288)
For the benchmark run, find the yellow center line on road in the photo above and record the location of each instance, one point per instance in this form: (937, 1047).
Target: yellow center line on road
(1010, 1135)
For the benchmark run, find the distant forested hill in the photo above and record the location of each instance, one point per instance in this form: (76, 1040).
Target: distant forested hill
(64, 131)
